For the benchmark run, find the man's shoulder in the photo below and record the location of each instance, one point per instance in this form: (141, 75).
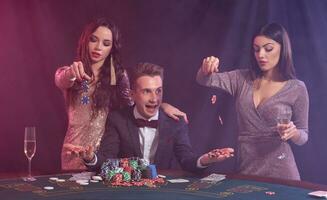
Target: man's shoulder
(164, 118)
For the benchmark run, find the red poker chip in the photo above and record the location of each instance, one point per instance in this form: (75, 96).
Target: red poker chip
(138, 184)
(127, 184)
(115, 184)
(159, 180)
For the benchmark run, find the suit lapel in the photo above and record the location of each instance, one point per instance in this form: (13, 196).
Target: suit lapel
(134, 133)
(163, 130)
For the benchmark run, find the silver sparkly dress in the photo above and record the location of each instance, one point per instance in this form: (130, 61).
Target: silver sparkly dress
(260, 150)
(83, 129)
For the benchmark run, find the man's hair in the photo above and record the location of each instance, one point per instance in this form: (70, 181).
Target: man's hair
(144, 69)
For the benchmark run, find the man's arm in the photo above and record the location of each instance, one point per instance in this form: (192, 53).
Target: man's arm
(183, 149)
(191, 162)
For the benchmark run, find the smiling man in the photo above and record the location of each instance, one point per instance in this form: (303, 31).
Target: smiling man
(145, 131)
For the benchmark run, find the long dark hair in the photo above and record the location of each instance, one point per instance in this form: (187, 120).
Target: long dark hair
(285, 65)
(105, 93)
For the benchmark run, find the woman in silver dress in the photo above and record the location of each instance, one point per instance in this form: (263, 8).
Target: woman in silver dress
(272, 105)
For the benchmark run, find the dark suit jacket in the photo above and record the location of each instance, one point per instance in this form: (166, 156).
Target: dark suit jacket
(121, 140)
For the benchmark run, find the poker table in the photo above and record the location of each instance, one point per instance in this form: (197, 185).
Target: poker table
(233, 187)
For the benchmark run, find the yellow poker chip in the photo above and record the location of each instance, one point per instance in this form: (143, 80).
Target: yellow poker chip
(60, 180)
(48, 187)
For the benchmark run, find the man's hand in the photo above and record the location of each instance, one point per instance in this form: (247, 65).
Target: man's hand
(216, 155)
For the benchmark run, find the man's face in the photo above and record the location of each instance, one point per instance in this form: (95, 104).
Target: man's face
(147, 95)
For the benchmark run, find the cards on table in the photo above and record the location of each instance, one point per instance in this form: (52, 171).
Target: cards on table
(214, 178)
(319, 193)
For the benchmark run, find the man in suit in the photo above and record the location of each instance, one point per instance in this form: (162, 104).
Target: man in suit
(145, 131)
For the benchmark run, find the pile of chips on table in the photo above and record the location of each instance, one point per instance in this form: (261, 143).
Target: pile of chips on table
(130, 172)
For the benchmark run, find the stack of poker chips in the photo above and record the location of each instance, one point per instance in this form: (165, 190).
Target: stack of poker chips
(129, 172)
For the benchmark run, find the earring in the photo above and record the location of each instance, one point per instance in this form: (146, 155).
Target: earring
(112, 72)
(85, 99)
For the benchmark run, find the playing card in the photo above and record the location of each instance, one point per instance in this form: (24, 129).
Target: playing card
(214, 177)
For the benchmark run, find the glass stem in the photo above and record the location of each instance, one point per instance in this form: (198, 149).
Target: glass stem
(29, 167)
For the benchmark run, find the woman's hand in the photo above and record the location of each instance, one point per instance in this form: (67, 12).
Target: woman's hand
(76, 72)
(85, 153)
(209, 65)
(173, 112)
(288, 131)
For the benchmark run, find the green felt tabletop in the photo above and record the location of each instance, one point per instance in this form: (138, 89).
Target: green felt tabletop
(195, 189)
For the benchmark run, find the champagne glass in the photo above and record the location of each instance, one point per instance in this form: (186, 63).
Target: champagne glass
(284, 116)
(29, 149)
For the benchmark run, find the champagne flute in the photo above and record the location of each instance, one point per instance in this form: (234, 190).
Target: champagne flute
(284, 116)
(29, 149)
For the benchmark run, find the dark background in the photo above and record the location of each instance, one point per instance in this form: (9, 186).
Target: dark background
(39, 36)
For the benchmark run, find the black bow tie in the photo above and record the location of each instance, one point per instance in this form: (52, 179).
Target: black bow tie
(146, 123)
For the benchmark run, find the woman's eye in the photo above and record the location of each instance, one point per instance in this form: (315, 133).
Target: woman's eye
(107, 44)
(268, 49)
(93, 39)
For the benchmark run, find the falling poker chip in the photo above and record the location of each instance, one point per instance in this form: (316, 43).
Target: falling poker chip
(48, 187)
(213, 99)
(220, 120)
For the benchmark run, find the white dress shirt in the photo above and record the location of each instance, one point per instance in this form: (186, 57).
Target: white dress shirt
(149, 137)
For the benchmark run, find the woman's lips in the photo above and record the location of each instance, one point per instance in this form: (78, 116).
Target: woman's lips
(95, 54)
(263, 62)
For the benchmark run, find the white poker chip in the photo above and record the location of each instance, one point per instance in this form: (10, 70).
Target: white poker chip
(53, 178)
(98, 178)
(161, 176)
(94, 181)
(61, 180)
(83, 183)
(48, 187)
